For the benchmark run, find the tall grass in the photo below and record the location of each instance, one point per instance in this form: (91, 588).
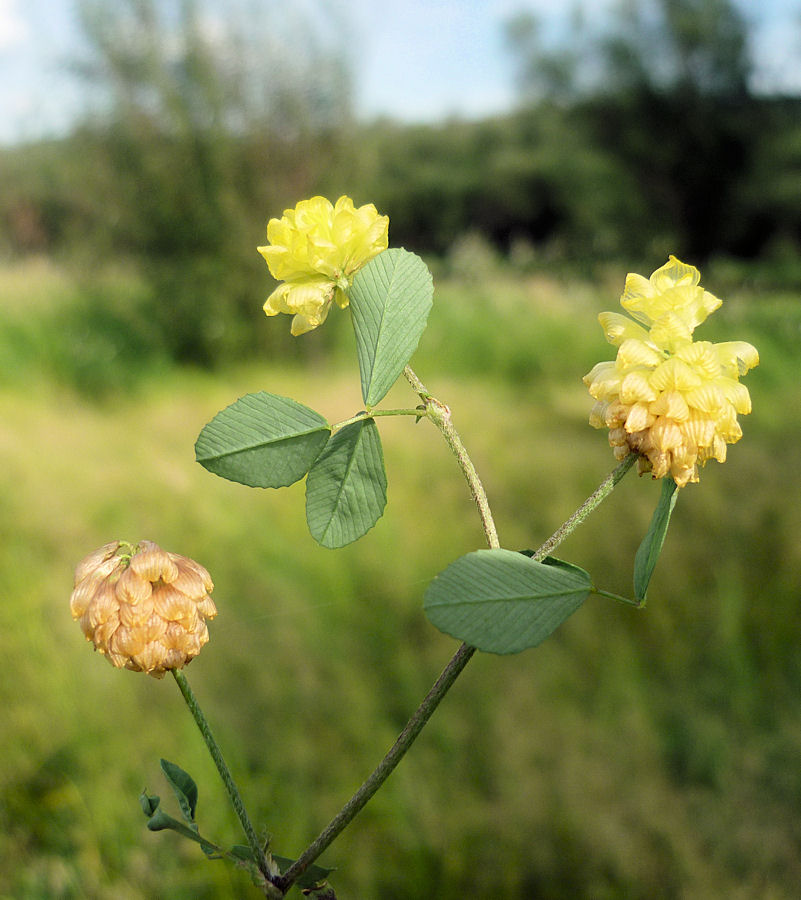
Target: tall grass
(636, 754)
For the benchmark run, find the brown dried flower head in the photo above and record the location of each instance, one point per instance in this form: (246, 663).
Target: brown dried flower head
(142, 607)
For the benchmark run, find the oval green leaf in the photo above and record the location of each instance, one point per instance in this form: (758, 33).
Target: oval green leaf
(262, 440)
(346, 490)
(390, 299)
(502, 602)
(649, 550)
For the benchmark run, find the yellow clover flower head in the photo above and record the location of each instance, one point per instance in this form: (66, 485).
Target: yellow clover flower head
(143, 608)
(671, 399)
(315, 249)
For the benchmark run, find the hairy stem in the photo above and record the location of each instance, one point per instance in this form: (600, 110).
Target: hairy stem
(263, 859)
(406, 738)
(597, 497)
(440, 415)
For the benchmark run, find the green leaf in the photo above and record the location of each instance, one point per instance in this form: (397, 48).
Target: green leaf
(346, 490)
(312, 876)
(390, 299)
(502, 602)
(649, 550)
(184, 788)
(262, 440)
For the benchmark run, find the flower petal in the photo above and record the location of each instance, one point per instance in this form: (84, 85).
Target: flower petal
(674, 273)
(737, 356)
(636, 387)
(633, 352)
(675, 374)
(618, 328)
(671, 404)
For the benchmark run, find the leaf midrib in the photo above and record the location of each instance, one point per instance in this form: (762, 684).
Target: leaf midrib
(262, 444)
(361, 426)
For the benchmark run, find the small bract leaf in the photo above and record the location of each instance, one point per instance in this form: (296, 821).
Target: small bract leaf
(160, 821)
(567, 567)
(559, 563)
(243, 852)
(502, 602)
(262, 440)
(313, 875)
(390, 299)
(346, 490)
(183, 786)
(649, 550)
(149, 803)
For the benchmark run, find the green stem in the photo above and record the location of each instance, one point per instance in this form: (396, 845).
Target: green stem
(357, 802)
(375, 413)
(618, 598)
(597, 497)
(440, 415)
(263, 859)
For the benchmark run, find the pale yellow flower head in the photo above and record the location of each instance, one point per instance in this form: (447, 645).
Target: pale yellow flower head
(315, 249)
(143, 608)
(673, 400)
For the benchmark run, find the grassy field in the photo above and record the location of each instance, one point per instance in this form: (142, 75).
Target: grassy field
(636, 754)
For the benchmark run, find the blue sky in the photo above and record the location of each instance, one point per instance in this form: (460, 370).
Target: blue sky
(418, 60)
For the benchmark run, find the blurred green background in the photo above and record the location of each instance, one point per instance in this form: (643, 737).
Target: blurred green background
(636, 754)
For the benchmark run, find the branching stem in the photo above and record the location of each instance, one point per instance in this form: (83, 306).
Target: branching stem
(439, 413)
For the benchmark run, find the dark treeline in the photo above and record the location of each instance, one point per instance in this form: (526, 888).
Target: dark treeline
(644, 140)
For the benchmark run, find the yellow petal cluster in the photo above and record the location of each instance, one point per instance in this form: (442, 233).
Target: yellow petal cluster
(315, 249)
(673, 400)
(143, 608)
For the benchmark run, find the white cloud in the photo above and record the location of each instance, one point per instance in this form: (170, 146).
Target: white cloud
(13, 28)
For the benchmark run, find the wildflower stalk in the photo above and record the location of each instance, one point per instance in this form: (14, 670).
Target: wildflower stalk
(262, 859)
(597, 497)
(384, 769)
(439, 413)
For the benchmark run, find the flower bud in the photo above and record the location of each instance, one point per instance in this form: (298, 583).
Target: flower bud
(142, 607)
